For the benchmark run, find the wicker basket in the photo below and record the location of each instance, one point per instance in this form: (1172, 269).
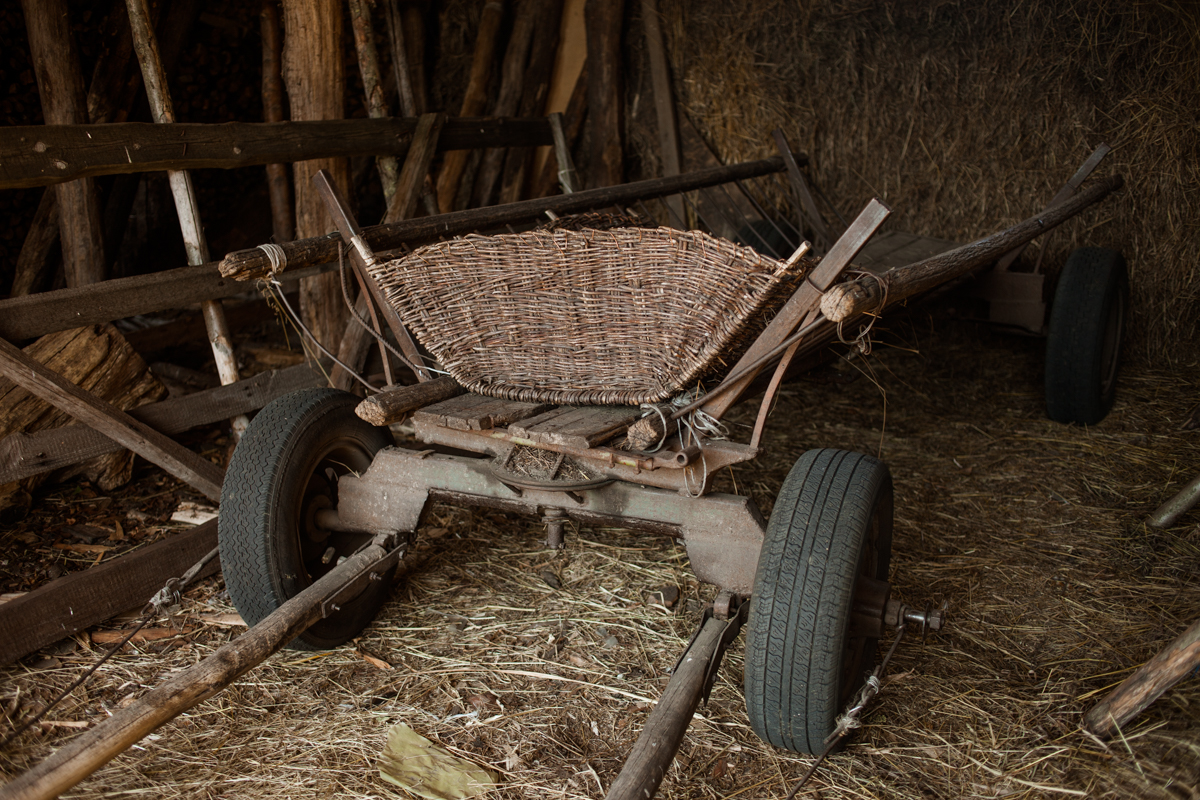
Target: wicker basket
(614, 317)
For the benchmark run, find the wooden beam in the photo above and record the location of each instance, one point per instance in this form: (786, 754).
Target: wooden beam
(82, 599)
(26, 454)
(36, 315)
(44, 155)
(114, 423)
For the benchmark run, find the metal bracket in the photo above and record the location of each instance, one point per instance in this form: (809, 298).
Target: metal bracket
(372, 572)
(734, 609)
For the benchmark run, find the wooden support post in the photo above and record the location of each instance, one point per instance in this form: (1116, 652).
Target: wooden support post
(194, 243)
(518, 160)
(98, 745)
(606, 166)
(60, 83)
(314, 73)
(1145, 686)
(112, 422)
(474, 101)
(283, 220)
(30, 272)
(664, 100)
(368, 66)
(392, 405)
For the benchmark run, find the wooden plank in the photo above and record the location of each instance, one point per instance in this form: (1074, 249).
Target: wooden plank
(116, 424)
(43, 155)
(80, 600)
(25, 454)
(38, 314)
(474, 412)
(582, 427)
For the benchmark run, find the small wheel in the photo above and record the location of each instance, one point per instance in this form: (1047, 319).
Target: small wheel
(284, 470)
(832, 522)
(1087, 325)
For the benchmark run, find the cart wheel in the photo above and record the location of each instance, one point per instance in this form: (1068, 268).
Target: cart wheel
(1087, 324)
(284, 470)
(832, 522)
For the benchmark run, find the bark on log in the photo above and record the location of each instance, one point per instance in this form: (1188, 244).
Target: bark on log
(315, 77)
(474, 101)
(247, 264)
(97, 359)
(606, 166)
(508, 99)
(413, 28)
(393, 404)
(1145, 686)
(283, 220)
(865, 294)
(60, 84)
(518, 160)
(368, 66)
(416, 168)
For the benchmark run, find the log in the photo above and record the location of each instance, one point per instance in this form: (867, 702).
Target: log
(313, 70)
(664, 100)
(413, 25)
(30, 273)
(391, 405)
(518, 160)
(1145, 685)
(865, 294)
(60, 84)
(400, 61)
(606, 165)
(508, 99)
(114, 84)
(76, 602)
(368, 67)
(474, 100)
(252, 264)
(98, 745)
(114, 423)
(416, 168)
(283, 220)
(97, 359)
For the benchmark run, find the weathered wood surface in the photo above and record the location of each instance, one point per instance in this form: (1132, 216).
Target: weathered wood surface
(582, 427)
(31, 155)
(391, 405)
(664, 99)
(1145, 685)
(279, 187)
(96, 746)
(606, 98)
(248, 264)
(47, 384)
(27, 453)
(78, 601)
(368, 67)
(474, 412)
(518, 160)
(415, 172)
(865, 294)
(60, 85)
(474, 99)
(30, 272)
(99, 360)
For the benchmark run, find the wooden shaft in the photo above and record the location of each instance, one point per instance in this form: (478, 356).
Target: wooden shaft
(391, 405)
(111, 421)
(249, 264)
(1143, 687)
(605, 95)
(664, 99)
(396, 31)
(865, 294)
(368, 66)
(668, 722)
(1169, 512)
(98, 745)
(283, 220)
(517, 160)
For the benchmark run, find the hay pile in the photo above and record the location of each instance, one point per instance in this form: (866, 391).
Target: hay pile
(542, 665)
(966, 117)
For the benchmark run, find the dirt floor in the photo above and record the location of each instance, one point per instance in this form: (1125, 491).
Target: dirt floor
(542, 666)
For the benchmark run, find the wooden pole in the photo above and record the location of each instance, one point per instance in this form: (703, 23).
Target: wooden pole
(1169, 512)
(518, 160)
(29, 274)
(314, 73)
(368, 66)
(98, 745)
(606, 167)
(474, 100)
(664, 100)
(393, 404)
(194, 242)
(283, 220)
(60, 84)
(1145, 686)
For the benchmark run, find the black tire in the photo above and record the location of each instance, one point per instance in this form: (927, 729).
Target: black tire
(285, 468)
(1087, 325)
(831, 523)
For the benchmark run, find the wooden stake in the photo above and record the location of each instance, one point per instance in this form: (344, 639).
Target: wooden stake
(368, 66)
(283, 220)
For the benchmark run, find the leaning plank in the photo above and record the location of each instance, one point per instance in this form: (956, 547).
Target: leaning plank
(247, 264)
(38, 314)
(42, 155)
(116, 424)
(82, 599)
(25, 454)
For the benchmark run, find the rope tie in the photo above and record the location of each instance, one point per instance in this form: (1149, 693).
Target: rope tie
(276, 255)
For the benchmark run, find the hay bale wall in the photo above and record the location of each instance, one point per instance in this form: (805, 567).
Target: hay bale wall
(966, 117)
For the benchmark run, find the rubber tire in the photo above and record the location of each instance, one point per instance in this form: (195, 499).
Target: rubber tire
(832, 522)
(1087, 325)
(284, 468)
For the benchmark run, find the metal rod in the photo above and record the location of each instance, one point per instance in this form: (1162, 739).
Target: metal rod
(1169, 512)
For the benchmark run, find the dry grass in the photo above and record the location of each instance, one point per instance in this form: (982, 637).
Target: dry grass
(1029, 529)
(966, 117)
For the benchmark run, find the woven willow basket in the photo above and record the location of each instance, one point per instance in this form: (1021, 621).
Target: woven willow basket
(613, 317)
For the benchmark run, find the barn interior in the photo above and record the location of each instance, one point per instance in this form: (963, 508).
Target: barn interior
(540, 666)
